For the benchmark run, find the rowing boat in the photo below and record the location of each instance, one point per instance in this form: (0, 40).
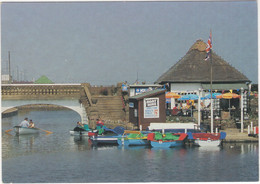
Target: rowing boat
(24, 130)
(133, 138)
(109, 136)
(207, 139)
(167, 140)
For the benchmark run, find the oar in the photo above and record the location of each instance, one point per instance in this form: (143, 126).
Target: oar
(48, 132)
(8, 130)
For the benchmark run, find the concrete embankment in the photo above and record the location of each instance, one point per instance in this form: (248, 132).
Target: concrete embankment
(235, 135)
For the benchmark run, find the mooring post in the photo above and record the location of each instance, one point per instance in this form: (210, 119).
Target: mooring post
(140, 127)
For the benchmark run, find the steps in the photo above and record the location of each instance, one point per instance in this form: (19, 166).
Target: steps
(106, 107)
(110, 107)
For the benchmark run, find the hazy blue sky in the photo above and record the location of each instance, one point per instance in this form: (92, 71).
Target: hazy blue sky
(108, 42)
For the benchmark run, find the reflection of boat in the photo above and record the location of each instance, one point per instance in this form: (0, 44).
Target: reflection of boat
(109, 136)
(24, 130)
(133, 138)
(207, 139)
(166, 140)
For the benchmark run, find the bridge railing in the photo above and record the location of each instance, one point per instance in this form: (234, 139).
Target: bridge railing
(41, 90)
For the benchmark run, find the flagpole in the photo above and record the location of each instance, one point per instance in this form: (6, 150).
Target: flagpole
(211, 100)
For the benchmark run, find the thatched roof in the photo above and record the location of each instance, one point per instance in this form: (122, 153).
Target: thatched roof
(43, 80)
(193, 68)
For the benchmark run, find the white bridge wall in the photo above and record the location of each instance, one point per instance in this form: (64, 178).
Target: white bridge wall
(71, 104)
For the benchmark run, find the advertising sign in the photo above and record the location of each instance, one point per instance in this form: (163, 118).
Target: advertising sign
(131, 105)
(151, 108)
(140, 90)
(124, 87)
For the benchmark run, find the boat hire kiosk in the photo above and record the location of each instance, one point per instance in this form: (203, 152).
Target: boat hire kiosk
(147, 107)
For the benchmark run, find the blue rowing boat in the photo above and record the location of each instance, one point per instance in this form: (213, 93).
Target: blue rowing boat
(167, 140)
(133, 138)
(109, 136)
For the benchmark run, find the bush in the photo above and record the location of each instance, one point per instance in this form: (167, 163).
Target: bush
(104, 92)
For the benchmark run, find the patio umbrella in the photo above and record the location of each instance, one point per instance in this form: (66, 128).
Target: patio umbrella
(189, 97)
(214, 96)
(172, 95)
(229, 96)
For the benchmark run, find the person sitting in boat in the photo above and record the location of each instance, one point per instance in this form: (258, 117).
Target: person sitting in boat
(99, 122)
(24, 123)
(31, 124)
(79, 127)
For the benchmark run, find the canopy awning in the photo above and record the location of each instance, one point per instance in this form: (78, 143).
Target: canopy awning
(224, 86)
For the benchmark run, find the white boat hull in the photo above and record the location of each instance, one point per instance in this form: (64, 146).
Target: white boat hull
(25, 131)
(82, 133)
(207, 143)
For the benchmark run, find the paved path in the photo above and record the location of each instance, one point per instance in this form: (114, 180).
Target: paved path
(234, 135)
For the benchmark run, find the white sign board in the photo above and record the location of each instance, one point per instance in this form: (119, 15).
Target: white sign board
(151, 107)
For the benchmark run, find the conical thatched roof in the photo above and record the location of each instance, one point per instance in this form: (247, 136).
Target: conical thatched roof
(43, 80)
(193, 68)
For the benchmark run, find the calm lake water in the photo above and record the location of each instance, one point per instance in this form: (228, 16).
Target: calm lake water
(61, 158)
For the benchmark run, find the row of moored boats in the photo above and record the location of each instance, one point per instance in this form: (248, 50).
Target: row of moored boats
(165, 138)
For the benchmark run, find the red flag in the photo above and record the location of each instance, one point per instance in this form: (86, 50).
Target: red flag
(209, 46)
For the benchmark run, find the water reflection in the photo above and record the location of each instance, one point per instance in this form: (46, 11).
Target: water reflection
(209, 148)
(241, 148)
(133, 147)
(79, 143)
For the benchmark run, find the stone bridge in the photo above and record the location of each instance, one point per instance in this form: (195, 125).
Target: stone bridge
(73, 96)
(77, 97)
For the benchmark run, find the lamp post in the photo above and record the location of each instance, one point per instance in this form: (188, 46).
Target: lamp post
(199, 116)
(242, 110)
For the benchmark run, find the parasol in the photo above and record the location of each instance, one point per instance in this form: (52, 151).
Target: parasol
(172, 95)
(214, 96)
(229, 96)
(189, 97)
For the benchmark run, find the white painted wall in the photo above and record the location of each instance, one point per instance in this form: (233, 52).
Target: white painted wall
(182, 87)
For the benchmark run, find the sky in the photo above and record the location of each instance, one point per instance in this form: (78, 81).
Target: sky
(103, 43)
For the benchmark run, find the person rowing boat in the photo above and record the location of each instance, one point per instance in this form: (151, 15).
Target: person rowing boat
(24, 123)
(79, 127)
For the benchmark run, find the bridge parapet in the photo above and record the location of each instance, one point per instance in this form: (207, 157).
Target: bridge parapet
(12, 91)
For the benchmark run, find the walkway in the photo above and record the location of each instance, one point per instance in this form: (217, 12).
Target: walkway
(234, 135)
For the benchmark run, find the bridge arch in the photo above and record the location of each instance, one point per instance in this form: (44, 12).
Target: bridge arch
(74, 105)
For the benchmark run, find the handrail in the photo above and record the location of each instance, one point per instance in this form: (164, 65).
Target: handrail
(88, 95)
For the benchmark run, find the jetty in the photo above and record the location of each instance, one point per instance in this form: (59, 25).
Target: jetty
(235, 135)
